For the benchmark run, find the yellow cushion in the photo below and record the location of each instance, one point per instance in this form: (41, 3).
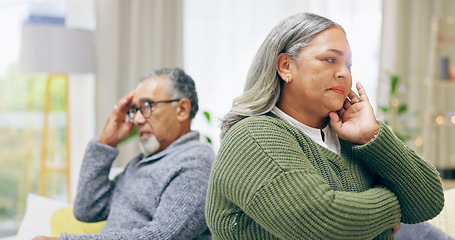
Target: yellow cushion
(63, 220)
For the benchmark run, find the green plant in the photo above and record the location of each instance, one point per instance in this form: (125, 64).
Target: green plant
(395, 111)
(207, 117)
(131, 136)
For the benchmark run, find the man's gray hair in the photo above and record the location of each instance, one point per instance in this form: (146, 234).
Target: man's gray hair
(263, 84)
(181, 85)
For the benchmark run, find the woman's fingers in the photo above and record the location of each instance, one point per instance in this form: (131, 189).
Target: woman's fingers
(362, 92)
(347, 104)
(354, 98)
(341, 111)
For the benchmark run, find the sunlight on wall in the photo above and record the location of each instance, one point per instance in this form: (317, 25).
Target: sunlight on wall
(10, 23)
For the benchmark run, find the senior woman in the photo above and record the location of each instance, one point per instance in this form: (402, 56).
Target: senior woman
(302, 155)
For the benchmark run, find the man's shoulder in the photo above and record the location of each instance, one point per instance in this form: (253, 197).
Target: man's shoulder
(197, 145)
(193, 149)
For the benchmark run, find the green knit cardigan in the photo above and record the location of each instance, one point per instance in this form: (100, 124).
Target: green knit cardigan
(271, 181)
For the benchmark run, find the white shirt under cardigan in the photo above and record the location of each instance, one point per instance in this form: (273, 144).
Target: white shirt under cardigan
(330, 140)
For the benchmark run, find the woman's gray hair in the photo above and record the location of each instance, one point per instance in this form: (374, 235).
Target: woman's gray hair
(181, 85)
(263, 84)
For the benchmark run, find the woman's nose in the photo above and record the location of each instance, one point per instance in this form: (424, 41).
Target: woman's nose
(343, 72)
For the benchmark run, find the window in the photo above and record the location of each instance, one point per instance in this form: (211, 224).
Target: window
(22, 99)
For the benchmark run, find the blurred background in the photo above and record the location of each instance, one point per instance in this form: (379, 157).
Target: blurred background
(65, 63)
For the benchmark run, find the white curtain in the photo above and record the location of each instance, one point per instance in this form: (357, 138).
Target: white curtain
(133, 38)
(406, 51)
(221, 38)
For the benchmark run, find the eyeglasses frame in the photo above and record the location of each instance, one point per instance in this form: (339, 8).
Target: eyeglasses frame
(150, 102)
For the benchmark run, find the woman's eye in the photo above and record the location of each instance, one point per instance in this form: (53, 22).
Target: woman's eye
(331, 60)
(349, 66)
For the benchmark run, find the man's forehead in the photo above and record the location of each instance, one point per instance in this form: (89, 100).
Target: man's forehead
(151, 89)
(155, 80)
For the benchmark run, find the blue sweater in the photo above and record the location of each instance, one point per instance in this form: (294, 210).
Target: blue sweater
(159, 197)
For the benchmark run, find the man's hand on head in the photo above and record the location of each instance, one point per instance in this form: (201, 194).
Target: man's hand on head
(116, 129)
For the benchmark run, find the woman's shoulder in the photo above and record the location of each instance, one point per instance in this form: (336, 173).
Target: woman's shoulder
(270, 136)
(262, 129)
(267, 121)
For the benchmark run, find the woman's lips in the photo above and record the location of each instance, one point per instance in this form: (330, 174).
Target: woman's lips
(338, 89)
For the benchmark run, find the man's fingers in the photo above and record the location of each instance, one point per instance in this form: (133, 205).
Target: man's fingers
(124, 104)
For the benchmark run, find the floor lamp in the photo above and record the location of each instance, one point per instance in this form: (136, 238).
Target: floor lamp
(57, 51)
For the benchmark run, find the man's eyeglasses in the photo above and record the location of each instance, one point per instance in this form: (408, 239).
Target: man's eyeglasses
(146, 108)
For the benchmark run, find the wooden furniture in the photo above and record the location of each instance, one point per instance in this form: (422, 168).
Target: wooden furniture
(46, 166)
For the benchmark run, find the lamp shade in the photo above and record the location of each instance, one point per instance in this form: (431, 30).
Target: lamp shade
(56, 49)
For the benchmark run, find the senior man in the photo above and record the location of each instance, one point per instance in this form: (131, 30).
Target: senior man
(161, 193)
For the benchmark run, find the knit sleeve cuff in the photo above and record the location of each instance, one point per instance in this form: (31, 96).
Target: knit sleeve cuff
(382, 151)
(415, 181)
(100, 154)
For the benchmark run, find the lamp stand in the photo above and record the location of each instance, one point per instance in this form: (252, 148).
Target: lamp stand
(45, 165)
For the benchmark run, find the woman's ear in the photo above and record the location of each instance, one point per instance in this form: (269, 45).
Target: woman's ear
(183, 109)
(284, 67)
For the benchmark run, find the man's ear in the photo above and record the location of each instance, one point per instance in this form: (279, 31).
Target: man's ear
(183, 109)
(284, 67)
